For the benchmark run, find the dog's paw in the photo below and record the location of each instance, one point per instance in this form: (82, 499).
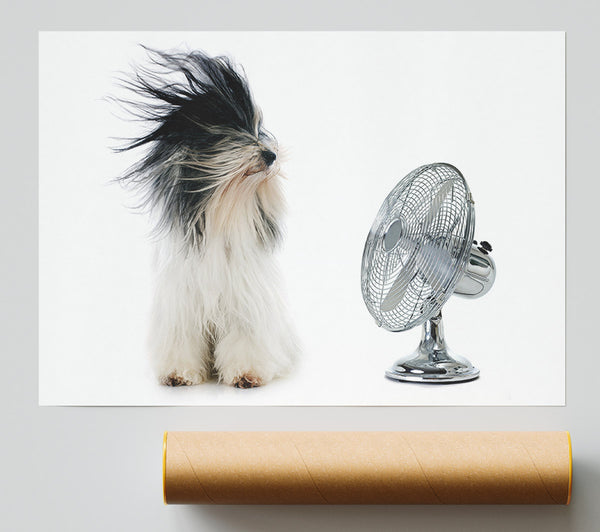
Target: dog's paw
(189, 377)
(247, 380)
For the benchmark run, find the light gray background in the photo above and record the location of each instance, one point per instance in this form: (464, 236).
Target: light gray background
(99, 468)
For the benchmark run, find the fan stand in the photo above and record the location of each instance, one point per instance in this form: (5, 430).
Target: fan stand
(432, 361)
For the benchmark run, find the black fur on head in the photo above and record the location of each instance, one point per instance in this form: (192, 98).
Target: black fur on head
(206, 131)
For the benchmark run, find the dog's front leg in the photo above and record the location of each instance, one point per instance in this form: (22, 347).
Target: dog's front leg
(241, 360)
(257, 343)
(180, 347)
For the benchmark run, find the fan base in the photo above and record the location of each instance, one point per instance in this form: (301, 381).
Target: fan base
(432, 362)
(445, 369)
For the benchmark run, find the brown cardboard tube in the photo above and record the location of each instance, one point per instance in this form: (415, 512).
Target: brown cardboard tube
(367, 468)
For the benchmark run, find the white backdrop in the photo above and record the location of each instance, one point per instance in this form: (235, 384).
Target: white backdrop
(356, 112)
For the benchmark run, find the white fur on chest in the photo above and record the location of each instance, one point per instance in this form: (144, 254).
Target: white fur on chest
(219, 306)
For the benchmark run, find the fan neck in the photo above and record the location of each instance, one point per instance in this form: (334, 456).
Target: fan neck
(432, 337)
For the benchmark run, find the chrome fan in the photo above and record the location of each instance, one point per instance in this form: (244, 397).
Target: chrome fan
(419, 252)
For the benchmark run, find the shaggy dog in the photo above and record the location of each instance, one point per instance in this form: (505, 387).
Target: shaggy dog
(211, 177)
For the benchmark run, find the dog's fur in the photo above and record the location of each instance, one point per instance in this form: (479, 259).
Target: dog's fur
(211, 176)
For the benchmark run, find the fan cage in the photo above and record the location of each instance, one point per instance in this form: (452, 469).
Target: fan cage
(438, 220)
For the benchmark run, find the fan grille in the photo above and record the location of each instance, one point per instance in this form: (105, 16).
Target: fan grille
(429, 221)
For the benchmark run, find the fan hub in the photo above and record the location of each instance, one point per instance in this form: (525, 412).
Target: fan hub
(393, 235)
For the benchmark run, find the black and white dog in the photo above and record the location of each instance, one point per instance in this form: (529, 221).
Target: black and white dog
(211, 176)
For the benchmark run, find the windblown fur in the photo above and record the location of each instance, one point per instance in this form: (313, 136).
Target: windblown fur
(210, 176)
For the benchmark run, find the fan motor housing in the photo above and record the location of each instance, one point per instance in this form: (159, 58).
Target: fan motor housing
(479, 276)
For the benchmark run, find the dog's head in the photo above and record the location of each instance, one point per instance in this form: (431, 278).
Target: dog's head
(207, 143)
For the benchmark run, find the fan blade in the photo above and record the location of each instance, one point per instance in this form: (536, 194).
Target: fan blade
(437, 202)
(431, 262)
(434, 264)
(398, 289)
(419, 259)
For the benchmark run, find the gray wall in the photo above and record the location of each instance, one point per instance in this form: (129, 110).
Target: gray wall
(99, 468)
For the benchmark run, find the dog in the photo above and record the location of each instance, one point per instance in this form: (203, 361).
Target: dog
(211, 179)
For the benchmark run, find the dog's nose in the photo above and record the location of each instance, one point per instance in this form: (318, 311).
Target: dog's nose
(269, 157)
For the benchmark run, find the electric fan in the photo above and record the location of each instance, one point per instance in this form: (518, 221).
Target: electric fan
(419, 252)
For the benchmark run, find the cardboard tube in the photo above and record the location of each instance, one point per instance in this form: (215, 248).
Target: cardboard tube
(367, 468)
